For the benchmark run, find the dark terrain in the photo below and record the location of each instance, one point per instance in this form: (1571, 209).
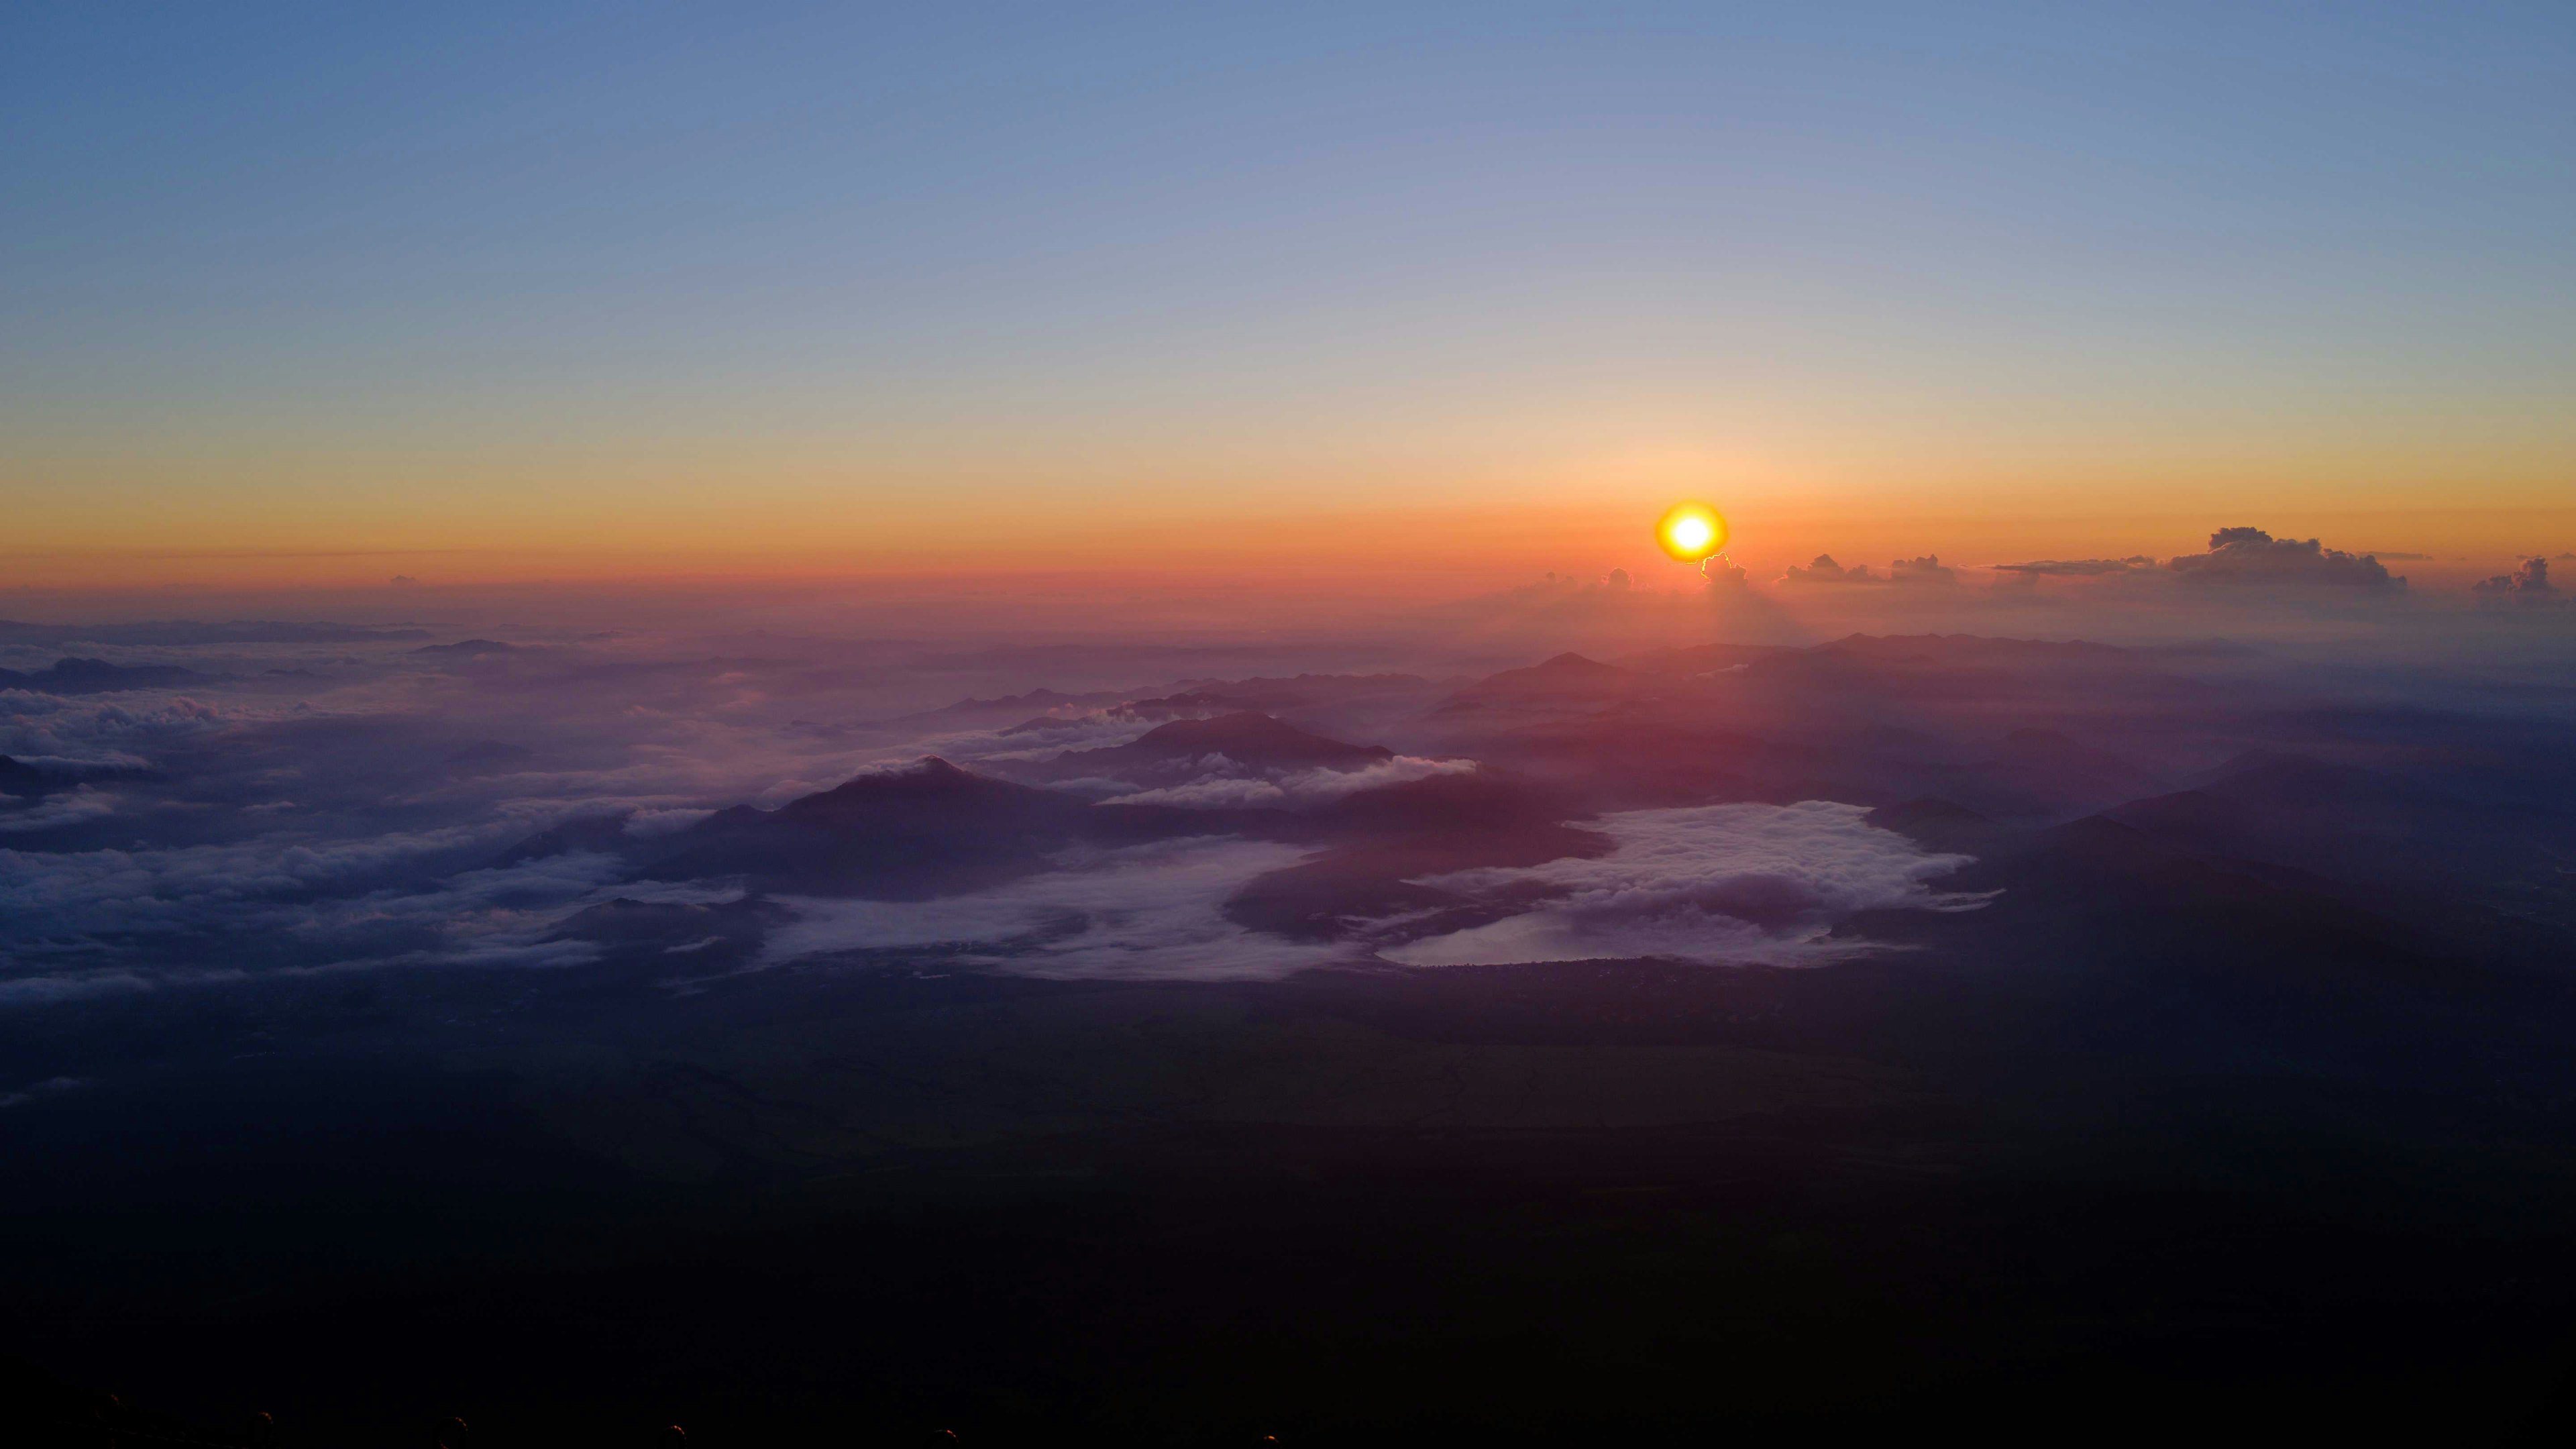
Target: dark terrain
(2243, 1105)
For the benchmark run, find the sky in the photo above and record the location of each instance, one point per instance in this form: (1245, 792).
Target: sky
(314, 296)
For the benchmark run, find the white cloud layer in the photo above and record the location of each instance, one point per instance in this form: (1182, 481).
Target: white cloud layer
(1738, 884)
(1223, 785)
(1148, 913)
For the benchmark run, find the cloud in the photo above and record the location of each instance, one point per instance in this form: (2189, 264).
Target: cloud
(646, 824)
(49, 1087)
(74, 986)
(1224, 785)
(1738, 884)
(86, 730)
(2251, 556)
(2529, 583)
(2079, 568)
(83, 803)
(1148, 913)
(1825, 571)
(1917, 571)
(211, 913)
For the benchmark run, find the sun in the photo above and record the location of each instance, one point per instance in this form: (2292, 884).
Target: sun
(1691, 532)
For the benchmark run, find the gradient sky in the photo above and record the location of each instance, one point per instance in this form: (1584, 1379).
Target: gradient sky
(510, 290)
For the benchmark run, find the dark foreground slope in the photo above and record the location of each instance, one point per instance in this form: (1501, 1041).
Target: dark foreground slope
(1534, 1204)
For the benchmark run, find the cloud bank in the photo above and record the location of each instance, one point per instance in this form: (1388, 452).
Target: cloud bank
(1148, 913)
(2252, 556)
(1735, 884)
(1223, 784)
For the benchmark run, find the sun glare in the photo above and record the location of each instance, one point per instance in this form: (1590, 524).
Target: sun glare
(1691, 532)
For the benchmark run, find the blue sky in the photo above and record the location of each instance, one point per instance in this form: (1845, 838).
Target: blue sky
(979, 241)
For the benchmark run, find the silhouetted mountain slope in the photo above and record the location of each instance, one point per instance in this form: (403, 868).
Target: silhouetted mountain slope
(1383, 839)
(905, 834)
(1245, 737)
(2044, 773)
(466, 649)
(1700, 658)
(1940, 825)
(1270, 694)
(1553, 683)
(2098, 898)
(925, 830)
(605, 833)
(2290, 810)
(1951, 650)
(1619, 761)
(1009, 706)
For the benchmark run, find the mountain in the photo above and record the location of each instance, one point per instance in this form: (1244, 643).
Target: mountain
(2295, 811)
(906, 834)
(1383, 841)
(1957, 649)
(1939, 825)
(2042, 773)
(466, 649)
(1245, 737)
(1566, 679)
(1700, 658)
(1009, 706)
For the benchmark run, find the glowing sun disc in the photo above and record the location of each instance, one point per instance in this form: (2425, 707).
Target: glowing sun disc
(1691, 532)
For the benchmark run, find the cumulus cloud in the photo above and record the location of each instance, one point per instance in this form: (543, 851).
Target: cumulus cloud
(1921, 569)
(2528, 583)
(2252, 556)
(1148, 913)
(1223, 784)
(1825, 571)
(1738, 884)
